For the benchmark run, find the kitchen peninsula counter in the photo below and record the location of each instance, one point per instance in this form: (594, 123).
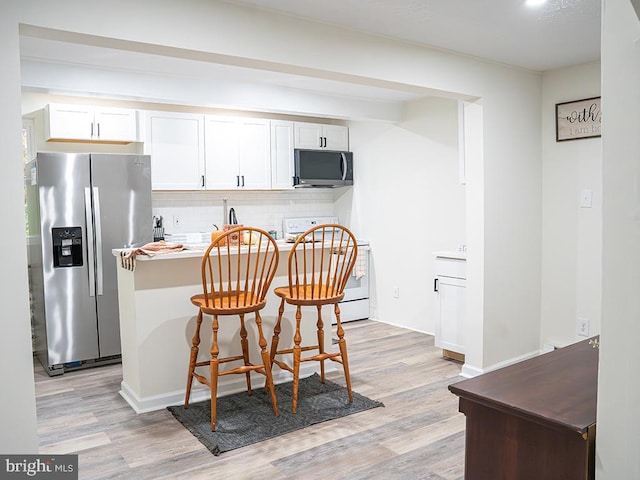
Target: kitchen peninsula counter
(157, 322)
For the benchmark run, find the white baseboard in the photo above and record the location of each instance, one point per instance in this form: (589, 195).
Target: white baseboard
(373, 319)
(469, 371)
(232, 384)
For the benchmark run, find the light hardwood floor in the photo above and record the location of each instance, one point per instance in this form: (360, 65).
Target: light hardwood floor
(419, 434)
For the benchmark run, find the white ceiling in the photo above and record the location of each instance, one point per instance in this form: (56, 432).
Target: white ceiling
(560, 33)
(556, 34)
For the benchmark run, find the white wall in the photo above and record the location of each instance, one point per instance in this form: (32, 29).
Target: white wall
(18, 413)
(512, 219)
(407, 201)
(571, 235)
(618, 388)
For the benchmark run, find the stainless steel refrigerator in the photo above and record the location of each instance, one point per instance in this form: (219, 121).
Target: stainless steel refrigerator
(79, 208)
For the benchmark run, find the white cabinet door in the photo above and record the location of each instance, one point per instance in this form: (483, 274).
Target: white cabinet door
(450, 285)
(281, 154)
(237, 153)
(450, 313)
(254, 154)
(221, 153)
(175, 142)
(68, 122)
(115, 124)
(308, 135)
(88, 123)
(336, 137)
(319, 136)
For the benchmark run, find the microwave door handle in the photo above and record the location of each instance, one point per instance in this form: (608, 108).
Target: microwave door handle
(344, 166)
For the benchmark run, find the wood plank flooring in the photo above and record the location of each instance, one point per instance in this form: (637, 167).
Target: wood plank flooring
(419, 434)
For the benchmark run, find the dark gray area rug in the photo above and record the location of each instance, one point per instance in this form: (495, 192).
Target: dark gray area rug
(243, 419)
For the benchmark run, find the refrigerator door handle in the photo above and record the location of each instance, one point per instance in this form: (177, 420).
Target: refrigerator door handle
(89, 241)
(98, 227)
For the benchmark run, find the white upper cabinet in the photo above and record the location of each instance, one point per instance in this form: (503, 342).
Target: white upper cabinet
(175, 142)
(237, 153)
(281, 154)
(319, 136)
(90, 123)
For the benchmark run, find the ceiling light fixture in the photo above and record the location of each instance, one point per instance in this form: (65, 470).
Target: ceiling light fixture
(535, 3)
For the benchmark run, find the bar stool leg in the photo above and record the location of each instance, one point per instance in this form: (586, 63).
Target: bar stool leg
(275, 339)
(213, 369)
(245, 351)
(262, 342)
(276, 332)
(342, 344)
(297, 339)
(195, 342)
(320, 326)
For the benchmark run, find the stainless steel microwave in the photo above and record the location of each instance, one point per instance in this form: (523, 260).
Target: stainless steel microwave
(322, 168)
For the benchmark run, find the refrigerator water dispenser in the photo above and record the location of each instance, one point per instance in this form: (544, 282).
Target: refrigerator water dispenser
(67, 246)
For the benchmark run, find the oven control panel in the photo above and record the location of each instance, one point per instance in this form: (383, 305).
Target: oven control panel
(294, 226)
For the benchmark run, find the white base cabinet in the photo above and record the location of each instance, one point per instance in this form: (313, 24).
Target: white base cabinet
(450, 287)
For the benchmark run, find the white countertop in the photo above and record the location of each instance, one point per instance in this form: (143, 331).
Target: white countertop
(194, 250)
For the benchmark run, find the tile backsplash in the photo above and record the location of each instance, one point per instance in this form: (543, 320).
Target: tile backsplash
(184, 212)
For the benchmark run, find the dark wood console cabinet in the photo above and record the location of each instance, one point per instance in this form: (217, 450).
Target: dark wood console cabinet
(534, 420)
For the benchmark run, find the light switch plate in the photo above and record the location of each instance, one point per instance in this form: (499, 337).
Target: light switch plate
(586, 198)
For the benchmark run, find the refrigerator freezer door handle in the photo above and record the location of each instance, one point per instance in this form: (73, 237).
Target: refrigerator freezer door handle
(96, 212)
(89, 242)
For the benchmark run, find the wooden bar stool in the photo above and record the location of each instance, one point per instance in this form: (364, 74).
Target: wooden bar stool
(318, 273)
(237, 270)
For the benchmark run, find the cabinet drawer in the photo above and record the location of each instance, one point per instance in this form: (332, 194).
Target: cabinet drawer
(451, 267)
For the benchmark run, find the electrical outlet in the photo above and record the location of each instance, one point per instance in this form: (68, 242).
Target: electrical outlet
(396, 292)
(582, 327)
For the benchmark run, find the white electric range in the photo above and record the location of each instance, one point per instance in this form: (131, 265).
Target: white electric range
(355, 305)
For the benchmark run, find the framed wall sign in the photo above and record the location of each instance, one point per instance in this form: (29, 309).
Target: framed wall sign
(578, 119)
